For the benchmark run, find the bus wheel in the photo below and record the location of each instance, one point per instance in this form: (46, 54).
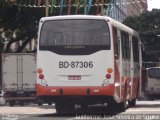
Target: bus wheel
(112, 107)
(11, 103)
(132, 103)
(64, 108)
(21, 103)
(122, 106)
(49, 103)
(84, 106)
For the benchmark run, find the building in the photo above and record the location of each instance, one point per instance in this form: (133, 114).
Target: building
(117, 9)
(136, 7)
(120, 9)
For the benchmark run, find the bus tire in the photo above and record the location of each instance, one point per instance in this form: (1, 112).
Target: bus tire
(11, 103)
(84, 106)
(115, 107)
(122, 106)
(132, 103)
(49, 103)
(64, 108)
(112, 107)
(40, 103)
(21, 103)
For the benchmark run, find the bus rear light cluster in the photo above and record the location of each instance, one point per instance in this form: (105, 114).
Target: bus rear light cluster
(109, 71)
(108, 76)
(41, 76)
(40, 72)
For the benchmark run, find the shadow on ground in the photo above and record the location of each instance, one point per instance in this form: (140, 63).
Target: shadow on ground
(94, 111)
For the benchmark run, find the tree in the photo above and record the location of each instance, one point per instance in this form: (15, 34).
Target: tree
(148, 25)
(17, 24)
(148, 21)
(19, 20)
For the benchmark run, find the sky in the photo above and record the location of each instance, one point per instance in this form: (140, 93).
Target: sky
(153, 4)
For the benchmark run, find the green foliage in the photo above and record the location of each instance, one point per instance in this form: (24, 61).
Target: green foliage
(148, 25)
(145, 22)
(1, 44)
(17, 23)
(22, 20)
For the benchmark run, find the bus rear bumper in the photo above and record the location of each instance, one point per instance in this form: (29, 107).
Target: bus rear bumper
(75, 90)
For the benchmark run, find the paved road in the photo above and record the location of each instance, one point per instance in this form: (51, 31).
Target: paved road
(147, 110)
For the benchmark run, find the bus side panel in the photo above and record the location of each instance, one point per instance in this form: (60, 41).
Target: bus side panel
(117, 81)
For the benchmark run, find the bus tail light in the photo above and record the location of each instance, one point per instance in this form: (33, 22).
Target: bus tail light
(39, 70)
(109, 70)
(41, 76)
(108, 76)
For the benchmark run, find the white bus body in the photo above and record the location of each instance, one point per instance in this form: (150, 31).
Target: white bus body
(86, 60)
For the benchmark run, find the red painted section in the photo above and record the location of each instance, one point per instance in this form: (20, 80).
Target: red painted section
(74, 90)
(135, 87)
(117, 78)
(126, 81)
(116, 68)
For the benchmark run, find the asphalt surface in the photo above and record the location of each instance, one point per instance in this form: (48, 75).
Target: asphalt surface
(144, 110)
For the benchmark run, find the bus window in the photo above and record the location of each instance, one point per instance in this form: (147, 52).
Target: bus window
(75, 37)
(125, 45)
(154, 73)
(116, 42)
(135, 49)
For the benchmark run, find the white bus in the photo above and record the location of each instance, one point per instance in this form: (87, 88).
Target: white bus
(151, 82)
(84, 60)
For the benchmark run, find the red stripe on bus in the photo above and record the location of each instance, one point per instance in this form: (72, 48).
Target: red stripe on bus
(76, 90)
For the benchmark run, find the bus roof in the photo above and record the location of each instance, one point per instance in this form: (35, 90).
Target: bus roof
(113, 22)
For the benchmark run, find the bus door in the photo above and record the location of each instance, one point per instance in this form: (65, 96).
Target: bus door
(136, 67)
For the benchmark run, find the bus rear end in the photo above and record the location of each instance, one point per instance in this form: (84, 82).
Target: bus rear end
(75, 61)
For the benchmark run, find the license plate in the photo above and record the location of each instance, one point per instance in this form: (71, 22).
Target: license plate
(74, 77)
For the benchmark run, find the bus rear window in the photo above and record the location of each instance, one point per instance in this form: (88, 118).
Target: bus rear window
(154, 73)
(81, 35)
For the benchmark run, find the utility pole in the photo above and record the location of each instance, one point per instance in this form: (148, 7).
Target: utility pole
(47, 7)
